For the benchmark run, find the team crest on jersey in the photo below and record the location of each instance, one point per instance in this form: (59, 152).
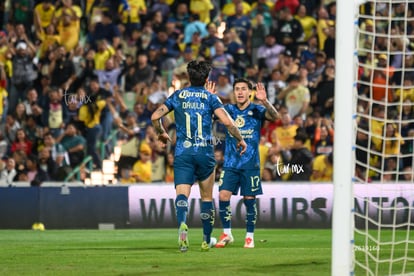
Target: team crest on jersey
(239, 121)
(250, 113)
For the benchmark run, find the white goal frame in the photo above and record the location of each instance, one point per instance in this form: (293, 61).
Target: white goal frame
(343, 200)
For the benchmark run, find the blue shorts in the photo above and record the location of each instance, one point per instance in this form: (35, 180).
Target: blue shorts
(248, 181)
(191, 168)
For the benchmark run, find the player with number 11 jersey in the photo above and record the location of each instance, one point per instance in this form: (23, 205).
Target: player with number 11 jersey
(194, 159)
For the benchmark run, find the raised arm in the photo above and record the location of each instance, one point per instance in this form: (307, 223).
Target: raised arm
(271, 112)
(156, 122)
(228, 122)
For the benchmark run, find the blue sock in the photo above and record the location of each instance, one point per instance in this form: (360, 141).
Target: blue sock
(181, 208)
(207, 218)
(225, 214)
(251, 214)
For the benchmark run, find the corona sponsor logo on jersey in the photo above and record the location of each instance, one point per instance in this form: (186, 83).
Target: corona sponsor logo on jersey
(185, 94)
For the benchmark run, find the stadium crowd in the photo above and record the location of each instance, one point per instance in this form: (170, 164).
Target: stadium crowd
(74, 72)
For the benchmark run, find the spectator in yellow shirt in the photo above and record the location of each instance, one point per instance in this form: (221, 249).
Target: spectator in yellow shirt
(3, 93)
(202, 8)
(376, 126)
(407, 92)
(295, 96)
(391, 145)
(131, 15)
(322, 26)
(322, 168)
(43, 15)
(229, 9)
(308, 23)
(68, 24)
(89, 114)
(169, 168)
(49, 38)
(4, 47)
(105, 51)
(142, 169)
(283, 136)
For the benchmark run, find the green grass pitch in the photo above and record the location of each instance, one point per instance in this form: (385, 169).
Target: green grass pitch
(155, 252)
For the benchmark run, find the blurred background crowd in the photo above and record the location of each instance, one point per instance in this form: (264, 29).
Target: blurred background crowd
(81, 78)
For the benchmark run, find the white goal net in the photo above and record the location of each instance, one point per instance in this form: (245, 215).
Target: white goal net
(384, 121)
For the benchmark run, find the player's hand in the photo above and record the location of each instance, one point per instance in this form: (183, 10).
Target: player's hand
(242, 146)
(260, 92)
(164, 138)
(211, 87)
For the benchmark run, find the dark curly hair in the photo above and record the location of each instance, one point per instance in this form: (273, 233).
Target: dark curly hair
(198, 72)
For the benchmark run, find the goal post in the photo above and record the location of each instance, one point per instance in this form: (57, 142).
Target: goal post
(373, 203)
(342, 215)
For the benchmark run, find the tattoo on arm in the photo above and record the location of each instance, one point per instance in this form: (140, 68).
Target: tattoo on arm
(156, 119)
(235, 132)
(159, 129)
(161, 111)
(271, 112)
(226, 119)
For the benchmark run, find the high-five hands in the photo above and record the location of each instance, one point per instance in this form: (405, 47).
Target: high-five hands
(211, 87)
(261, 92)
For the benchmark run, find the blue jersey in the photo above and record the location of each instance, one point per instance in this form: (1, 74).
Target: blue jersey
(249, 121)
(242, 25)
(193, 110)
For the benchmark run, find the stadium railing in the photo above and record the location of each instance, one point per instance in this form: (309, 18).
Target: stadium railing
(76, 171)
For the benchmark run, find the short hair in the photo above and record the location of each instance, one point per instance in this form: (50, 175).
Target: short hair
(33, 158)
(48, 134)
(292, 77)
(321, 54)
(198, 72)
(301, 136)
(71, 124)
(107, 14)
(94, 79)
(243, 80)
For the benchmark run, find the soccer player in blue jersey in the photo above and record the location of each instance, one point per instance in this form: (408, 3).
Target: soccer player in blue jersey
(194, 151)
(243, 172)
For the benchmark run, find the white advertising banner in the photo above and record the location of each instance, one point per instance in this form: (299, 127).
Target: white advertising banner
(281, 205)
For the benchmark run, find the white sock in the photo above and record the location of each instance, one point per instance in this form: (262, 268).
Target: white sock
(250, 235)
(227, 231)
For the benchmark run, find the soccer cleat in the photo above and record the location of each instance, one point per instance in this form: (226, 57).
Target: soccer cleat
(182, 237)
(248, 243)
(224, 240)
(206, 247)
